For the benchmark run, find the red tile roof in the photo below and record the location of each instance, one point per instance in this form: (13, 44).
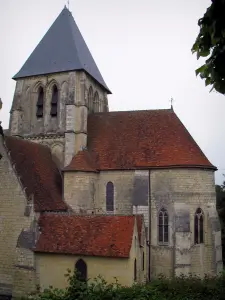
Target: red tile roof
(82, 161)
(38, 173)
(99, 235)
(142, 139)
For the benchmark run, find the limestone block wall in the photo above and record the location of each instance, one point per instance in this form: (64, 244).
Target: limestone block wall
(14, 218)
(87, 189)
(123, 189)
(181, 192)
(130, 191)
(25, 100)
(71, 119)
(80, 191)
(25, 276)
(102, 95)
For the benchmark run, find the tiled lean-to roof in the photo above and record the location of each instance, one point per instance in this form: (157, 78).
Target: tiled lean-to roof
(38, 173)
(91, 235)
(140, 139)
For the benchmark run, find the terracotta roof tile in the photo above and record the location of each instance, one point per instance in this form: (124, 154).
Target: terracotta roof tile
(82, 161)
(142, 139)
(38, 173)
(99, 235)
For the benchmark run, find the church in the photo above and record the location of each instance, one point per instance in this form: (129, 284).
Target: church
(125, 194)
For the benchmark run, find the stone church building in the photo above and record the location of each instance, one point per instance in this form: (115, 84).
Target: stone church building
(125, 194)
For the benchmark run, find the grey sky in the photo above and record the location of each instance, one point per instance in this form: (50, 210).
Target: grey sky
(143, 50)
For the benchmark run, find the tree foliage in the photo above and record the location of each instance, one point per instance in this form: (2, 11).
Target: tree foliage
(210, 44)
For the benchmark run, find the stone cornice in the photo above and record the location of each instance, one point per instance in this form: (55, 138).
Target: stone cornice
(44, 137)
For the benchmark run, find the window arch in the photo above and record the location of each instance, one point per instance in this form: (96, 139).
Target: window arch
(40, 103)
(90, 99)
(81, 269)
(135, 269)
(163, 226)
(96, 102)
(54, 102)
(110, 197)
(199, 226)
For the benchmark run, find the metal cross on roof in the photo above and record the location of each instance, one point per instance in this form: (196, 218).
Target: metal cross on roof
(171, 101)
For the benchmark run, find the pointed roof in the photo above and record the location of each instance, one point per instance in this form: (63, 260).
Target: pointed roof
(61, 49)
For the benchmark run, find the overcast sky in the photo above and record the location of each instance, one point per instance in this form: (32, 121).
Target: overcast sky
(143, 50)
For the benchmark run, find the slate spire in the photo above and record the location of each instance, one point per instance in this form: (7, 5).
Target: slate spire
(62, 49)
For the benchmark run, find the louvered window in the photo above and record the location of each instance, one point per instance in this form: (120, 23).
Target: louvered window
(40, 103)
(54, 102)
(90, 100)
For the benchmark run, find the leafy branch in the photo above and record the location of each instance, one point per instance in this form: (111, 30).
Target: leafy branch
(210, 44)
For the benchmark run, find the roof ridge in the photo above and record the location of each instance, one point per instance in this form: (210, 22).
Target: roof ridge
(137, 110)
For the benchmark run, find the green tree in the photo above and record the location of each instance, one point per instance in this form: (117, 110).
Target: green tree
(220, 196)
(210, 44)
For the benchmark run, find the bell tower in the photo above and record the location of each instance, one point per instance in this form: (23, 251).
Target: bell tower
(56, 89)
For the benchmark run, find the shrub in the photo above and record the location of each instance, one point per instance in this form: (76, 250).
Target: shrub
(180, 288)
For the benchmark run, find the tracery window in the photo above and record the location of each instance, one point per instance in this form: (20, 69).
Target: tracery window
(40, 103)
(163, 227)
(54, 101)
(199, 226)
(110, 197)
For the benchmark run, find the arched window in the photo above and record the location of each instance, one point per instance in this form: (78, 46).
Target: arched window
(96, 102)
(109, 197)
(90, 99)
(143, 261)
(81, 269)
(135, 269)
(40, 103)
(199, 228)
(54, 102)
(163, 226)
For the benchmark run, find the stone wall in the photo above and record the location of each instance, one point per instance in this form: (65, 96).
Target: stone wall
(81, 189)
(14, 220)
(25, 100)
(181, 192)
(67, 132)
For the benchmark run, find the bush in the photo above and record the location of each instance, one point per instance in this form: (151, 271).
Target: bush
(180, 288)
